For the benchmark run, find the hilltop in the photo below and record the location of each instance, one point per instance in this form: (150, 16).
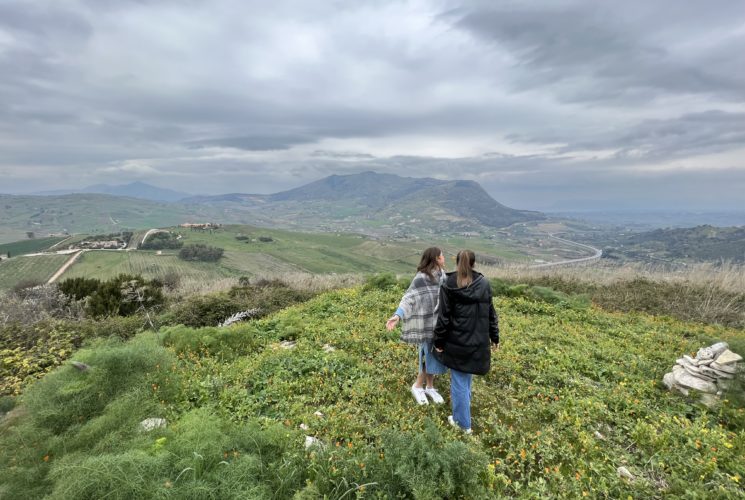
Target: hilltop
(573, 394)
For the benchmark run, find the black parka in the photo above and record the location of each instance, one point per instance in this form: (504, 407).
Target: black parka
(466, 324)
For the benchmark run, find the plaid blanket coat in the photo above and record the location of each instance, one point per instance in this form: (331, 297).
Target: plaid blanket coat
(420, 305)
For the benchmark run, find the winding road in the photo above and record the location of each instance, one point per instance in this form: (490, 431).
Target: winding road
(596, 256)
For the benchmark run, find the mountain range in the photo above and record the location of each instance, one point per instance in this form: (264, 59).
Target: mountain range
(370, 203)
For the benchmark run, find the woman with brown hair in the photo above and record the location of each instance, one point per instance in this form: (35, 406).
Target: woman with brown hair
(418, 310)
(466, 325)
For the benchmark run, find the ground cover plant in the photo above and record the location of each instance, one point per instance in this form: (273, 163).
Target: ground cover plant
(573, 394)
(38, 268)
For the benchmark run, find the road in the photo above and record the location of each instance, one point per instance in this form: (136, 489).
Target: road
(64, 267)
(596, 256)
(151, 232)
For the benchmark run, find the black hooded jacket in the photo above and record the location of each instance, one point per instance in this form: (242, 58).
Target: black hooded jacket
(466, 324)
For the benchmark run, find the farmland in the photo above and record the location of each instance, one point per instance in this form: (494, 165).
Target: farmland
(37, 268)
(29, 246)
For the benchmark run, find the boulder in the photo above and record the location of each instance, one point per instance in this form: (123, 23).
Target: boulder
(150, 424)
(685, 379)
(729, 368)
(728, 357)
(712, 351)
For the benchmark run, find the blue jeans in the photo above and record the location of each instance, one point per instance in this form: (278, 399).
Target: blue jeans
(428, 363)
(460, 396)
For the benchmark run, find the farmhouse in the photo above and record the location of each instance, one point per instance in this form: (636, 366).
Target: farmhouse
(102, 245)
(204, 226)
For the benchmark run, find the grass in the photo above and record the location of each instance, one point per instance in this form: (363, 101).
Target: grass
(38, 268)
(28, 246)
(573, 394)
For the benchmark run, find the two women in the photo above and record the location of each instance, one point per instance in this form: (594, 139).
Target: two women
(418, 310)
(466, 326)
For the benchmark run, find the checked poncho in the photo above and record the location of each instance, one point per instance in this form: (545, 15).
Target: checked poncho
(419, 304)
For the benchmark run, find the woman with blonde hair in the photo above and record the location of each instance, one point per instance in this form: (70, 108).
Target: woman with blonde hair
(418, 310)
(467, 324)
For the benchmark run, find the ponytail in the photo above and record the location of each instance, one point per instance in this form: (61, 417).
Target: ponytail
(465, 261)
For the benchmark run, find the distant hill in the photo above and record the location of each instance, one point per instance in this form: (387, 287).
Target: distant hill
(132, 190)
(368, 203)
(380, 202)
(700, 243)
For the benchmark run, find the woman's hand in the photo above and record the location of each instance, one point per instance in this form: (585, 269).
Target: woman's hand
(439, 350)
(495, 347)
(392, 322)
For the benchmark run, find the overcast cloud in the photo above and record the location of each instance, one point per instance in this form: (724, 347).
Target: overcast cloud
(548, 104)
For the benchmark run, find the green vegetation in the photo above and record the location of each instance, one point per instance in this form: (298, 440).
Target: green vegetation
(38, 268)
(161, 240)
(28, 246)
(200, 253)
(122, 295)
(573, 394)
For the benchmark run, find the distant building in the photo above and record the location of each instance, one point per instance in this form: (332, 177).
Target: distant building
(204, 226)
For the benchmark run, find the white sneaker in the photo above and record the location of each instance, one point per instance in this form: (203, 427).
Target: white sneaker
(419, 395)
(432, 393)
(452, 422)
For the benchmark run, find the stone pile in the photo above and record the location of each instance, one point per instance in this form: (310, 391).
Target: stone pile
(709, 372)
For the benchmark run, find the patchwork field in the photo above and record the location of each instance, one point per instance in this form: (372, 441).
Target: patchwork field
(37, 268)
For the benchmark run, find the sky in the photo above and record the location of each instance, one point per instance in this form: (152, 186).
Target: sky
(549, 105)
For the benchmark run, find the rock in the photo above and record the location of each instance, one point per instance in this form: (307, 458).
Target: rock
(80, 366)
(691, 360)
(599, 436)
(698, 372)
(711, 372)
(318, 414)
(303, 427)
(685, 379)
(728, 357)
(669, 380)
(311, 441)
(150, 424)
(684, 361)
(730, 368)
(287, 344)
(624, 473)
(328, 348)
(712, 351)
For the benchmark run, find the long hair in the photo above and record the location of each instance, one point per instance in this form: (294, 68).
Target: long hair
(428, 265)
(464, 262)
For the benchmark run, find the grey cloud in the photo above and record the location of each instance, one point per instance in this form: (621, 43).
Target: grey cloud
(253, 143)
(600, 51)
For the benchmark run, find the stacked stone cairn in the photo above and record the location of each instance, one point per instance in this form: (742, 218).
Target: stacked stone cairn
(709, 373)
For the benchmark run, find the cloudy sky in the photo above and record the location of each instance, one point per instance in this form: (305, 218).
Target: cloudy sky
(548, 104)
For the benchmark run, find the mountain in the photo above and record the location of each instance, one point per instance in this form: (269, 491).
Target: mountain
(372, 202)
(132, 190)
(693, 244)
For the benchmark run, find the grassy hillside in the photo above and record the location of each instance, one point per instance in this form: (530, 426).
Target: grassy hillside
(29, 269)
(573, 394)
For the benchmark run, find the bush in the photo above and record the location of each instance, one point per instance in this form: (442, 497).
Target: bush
(384, 281)
(162, 241)
(200, 252)
(124, 295)
(79, 288)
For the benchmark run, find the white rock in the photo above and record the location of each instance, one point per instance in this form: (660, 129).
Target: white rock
(318, 414)
(728, 357)
(728, 368)
(687, 380)
(624, 473)
(712, 351)
(669, 380)
(287, 344)
(598, 435)
(311, 441)
(304, 427)
(686, 361)
(149, 424)
(699, 372)
(691, 360)
(328, 348)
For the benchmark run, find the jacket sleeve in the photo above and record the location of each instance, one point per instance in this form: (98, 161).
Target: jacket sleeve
(442, 327)
(406, 306)
(493, 324)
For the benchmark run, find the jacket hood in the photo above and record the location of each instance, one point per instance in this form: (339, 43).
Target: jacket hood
(471, 293)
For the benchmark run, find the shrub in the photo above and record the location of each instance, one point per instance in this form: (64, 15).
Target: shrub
(200, 252)
(162, 241)
(79, 288)
(124, 295)
(383, 281)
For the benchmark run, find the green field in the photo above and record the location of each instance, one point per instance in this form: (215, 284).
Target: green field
(28, 246)
(103, 264)
(36, 268)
